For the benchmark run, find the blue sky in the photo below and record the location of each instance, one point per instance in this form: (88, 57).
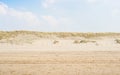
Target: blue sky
(60, 15)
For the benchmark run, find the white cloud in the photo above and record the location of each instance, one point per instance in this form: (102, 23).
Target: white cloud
(51, 20)
(48, 3)
(25, 16)
(112, 5)
(95, 1)
(92, 1)
(57, 21)
(3, 8)
(116, 12)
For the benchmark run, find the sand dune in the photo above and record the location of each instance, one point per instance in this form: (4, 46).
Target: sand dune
(24, 40)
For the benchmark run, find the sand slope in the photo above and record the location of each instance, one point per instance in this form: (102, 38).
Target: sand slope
(104, 44)
(42, 41)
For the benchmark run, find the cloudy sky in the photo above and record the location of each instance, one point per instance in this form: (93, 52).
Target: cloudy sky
(60, 15)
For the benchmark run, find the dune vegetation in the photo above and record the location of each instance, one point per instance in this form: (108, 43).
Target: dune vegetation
(117, 41)
(9, 34)
(20, 37)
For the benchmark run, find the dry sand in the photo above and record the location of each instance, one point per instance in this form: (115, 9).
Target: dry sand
(60, 56)
(102, 44)
(60, 63)
(41, 41)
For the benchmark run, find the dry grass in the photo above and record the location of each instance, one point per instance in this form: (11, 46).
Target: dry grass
(9, 34)
(117, 41)
(77, 42)
(29, 36)
(55, 42)
(83, 41)
(87, 41)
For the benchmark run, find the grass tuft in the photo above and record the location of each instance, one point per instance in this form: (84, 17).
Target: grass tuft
(117, 41)
(55, 42)
(77, 41)
(83, 41)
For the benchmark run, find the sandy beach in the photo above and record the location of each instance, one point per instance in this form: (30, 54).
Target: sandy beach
(29, 54)
(60, 63)
(59, 37)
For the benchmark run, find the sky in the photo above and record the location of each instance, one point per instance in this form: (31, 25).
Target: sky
(60, 15)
